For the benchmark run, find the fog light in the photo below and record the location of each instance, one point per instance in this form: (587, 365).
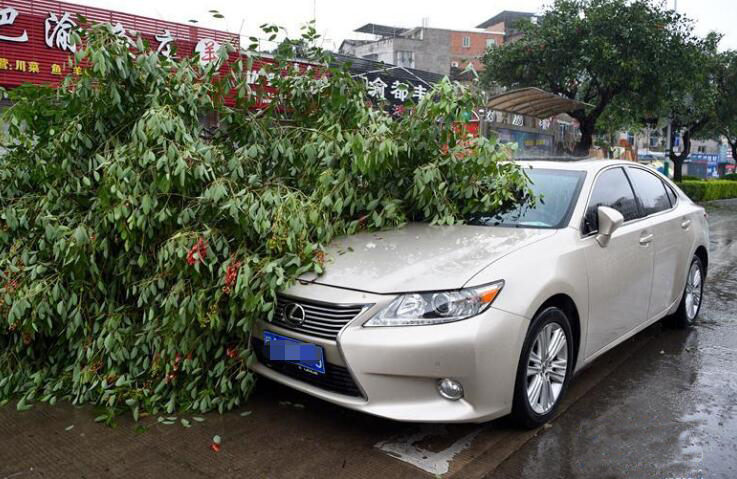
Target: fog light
(450, 389)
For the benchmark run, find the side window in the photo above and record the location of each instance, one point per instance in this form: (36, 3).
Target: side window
(650, 191)
(612, 189)
(671, 194)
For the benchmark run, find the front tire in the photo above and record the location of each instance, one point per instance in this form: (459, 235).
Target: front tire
(545, 368)
(693, 293)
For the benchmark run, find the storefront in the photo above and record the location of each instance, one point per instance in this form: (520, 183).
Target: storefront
(36, 46)
(532, 136)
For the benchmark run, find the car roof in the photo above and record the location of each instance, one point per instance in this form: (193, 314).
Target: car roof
(573, 164)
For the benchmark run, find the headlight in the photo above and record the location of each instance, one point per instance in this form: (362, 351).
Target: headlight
(416, 309)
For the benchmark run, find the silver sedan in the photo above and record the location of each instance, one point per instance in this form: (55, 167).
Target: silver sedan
(471, 322)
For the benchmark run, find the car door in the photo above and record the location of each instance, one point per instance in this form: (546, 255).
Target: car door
(668, 236)
(620, 274)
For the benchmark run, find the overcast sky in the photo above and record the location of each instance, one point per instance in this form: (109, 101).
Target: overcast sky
(336, 19)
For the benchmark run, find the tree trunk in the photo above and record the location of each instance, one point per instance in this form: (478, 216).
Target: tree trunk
(587, 124)
(733, 146)
(587, 137)
(679, 159)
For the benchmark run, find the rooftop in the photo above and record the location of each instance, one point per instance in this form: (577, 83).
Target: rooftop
(533, 102)
(362, 66)
(506, 16)
(381, 30)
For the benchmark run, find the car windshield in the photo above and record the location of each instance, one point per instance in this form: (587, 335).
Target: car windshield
(555, 191)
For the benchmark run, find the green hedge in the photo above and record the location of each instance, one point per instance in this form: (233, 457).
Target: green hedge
(709, 190)
(730, 176)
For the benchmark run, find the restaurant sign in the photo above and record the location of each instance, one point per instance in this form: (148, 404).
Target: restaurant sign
(36, 46)
(398, 92)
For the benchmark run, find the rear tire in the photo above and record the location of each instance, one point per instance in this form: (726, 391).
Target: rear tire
(544, 370)
(693, 294)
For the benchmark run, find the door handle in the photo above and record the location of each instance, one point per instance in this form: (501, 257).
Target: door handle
(685, 224)
(646, 239)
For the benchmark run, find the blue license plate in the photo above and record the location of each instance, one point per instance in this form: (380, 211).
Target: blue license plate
(307, 356)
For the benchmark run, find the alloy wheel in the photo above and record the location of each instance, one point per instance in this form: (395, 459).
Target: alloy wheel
(693, 291)
(547, 366)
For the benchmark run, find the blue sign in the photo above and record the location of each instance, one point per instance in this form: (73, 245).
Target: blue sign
(709, 160)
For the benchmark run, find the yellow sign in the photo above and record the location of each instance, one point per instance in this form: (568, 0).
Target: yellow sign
(19, 65)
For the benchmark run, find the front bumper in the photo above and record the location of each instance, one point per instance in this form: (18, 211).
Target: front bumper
(396, 369)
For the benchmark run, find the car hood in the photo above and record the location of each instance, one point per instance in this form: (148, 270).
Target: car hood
(418, 257)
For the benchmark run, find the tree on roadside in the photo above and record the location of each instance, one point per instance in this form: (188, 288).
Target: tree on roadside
(725, 118)
(136, 251)
(600, 52)
(691, 103)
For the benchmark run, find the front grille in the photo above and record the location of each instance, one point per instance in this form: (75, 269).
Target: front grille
(324, 320)
(336, 378)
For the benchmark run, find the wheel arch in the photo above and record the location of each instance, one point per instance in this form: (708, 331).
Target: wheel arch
(566, 303)
(703, 255)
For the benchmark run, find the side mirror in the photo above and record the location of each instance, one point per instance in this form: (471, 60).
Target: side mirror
(609, 220)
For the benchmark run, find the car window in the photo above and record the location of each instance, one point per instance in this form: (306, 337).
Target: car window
(556, 192)
(650, 191)
(671, 194)
(611, 189)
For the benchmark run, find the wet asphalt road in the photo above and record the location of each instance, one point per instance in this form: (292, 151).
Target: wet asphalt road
(670, 410)
(661, 405)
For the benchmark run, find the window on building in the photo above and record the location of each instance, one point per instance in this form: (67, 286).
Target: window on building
(466, 41)
(702, 149)
(371, 56)
(404, 58)
(490, 42)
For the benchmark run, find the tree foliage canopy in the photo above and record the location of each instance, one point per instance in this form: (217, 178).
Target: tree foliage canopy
(138, 248)
(724, 121)
(607, 53)
(692, 95)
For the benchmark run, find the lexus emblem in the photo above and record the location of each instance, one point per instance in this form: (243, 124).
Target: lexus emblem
(294, 314)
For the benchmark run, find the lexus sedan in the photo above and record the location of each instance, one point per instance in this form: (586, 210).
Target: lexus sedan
(470, 322)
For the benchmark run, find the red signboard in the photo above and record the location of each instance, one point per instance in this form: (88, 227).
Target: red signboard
(35, 45)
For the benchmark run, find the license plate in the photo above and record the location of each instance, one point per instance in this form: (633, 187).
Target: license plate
(305, 355)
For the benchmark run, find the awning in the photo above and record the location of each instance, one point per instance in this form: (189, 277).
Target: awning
(534, 102)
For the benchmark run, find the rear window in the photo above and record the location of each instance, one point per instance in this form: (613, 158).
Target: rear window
(650, 191)
(671, 194)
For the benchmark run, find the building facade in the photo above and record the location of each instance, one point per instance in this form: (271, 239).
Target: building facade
(434, 50)
(506, 24)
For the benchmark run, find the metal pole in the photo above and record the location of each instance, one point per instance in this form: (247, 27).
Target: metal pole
(668, 147)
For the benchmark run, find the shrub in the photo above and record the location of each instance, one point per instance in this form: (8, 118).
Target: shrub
(691, 178)
(138, 248)
(730, 177)
(709, 190)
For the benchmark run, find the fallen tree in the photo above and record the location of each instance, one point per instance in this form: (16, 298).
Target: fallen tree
(137, 248)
